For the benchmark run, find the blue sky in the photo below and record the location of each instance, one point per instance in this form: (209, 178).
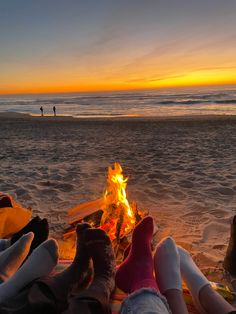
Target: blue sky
(82, 43)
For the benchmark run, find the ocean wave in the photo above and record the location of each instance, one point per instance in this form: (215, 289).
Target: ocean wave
(115, 104)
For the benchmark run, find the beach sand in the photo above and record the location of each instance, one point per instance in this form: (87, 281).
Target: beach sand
(182, 169)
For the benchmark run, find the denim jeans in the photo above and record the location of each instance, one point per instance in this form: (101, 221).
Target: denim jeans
(145, 301)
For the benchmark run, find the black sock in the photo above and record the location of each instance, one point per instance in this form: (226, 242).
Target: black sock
(39, 227)
(31, 226)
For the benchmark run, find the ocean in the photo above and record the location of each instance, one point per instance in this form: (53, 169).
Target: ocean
(164, 102)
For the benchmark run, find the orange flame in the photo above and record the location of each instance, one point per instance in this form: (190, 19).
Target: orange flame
(118, 215)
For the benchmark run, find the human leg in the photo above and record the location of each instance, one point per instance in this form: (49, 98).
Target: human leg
(49, 294)
(136, 274)
(145, 301)
(205, 298)
(77, 271)
(12, 258)
(40, 263)
(137, 270)
(95, 299)
(167, 270)
(212, 302)
(53, 291)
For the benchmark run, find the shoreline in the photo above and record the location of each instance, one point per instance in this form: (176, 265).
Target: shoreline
(26, 116)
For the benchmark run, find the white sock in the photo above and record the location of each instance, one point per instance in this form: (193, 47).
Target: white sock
(193, 277)
(12, 258)
(4, 244)
(167, 266)
(40, 263)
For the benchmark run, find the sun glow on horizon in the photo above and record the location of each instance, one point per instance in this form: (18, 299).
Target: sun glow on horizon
(202, 78)
(115, 45)
(187, 79)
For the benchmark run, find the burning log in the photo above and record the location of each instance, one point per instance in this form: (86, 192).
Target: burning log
(80, 211)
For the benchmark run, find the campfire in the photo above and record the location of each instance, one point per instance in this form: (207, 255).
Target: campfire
(119, 216)
(112, 212)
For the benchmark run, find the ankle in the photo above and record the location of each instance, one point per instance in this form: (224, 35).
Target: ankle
(172, 292)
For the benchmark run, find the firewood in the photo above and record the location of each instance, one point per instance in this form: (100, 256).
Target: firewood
(85, 209)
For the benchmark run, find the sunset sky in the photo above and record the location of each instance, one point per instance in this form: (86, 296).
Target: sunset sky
(78, 45)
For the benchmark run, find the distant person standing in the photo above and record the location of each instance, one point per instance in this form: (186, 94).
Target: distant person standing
(54, 111)
(41, 109)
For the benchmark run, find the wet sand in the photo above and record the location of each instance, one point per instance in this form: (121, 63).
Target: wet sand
(182, 169)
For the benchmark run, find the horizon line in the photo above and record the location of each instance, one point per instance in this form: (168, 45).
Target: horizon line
(116, 90)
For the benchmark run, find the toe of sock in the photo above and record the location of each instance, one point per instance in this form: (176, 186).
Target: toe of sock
(145, 227)
(52, 247)
(28, 236)
(82, 226)
(96, 235)
(166, 245)
(44, 224)
(147, 222)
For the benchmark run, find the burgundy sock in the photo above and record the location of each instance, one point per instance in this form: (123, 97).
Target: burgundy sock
(136, 271)
(126, 252)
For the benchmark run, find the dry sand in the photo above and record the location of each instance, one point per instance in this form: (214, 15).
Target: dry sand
(182, 169)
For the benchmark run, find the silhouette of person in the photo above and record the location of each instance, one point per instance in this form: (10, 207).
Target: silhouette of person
(41, 109)
(54, 110)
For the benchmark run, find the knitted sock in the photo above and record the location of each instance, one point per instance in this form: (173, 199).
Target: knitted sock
(192, 276)
(167, 266)
(61, 284)
(99, 248)
(136, 271)
(40, 263)
(12, 258)
(40, 229)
